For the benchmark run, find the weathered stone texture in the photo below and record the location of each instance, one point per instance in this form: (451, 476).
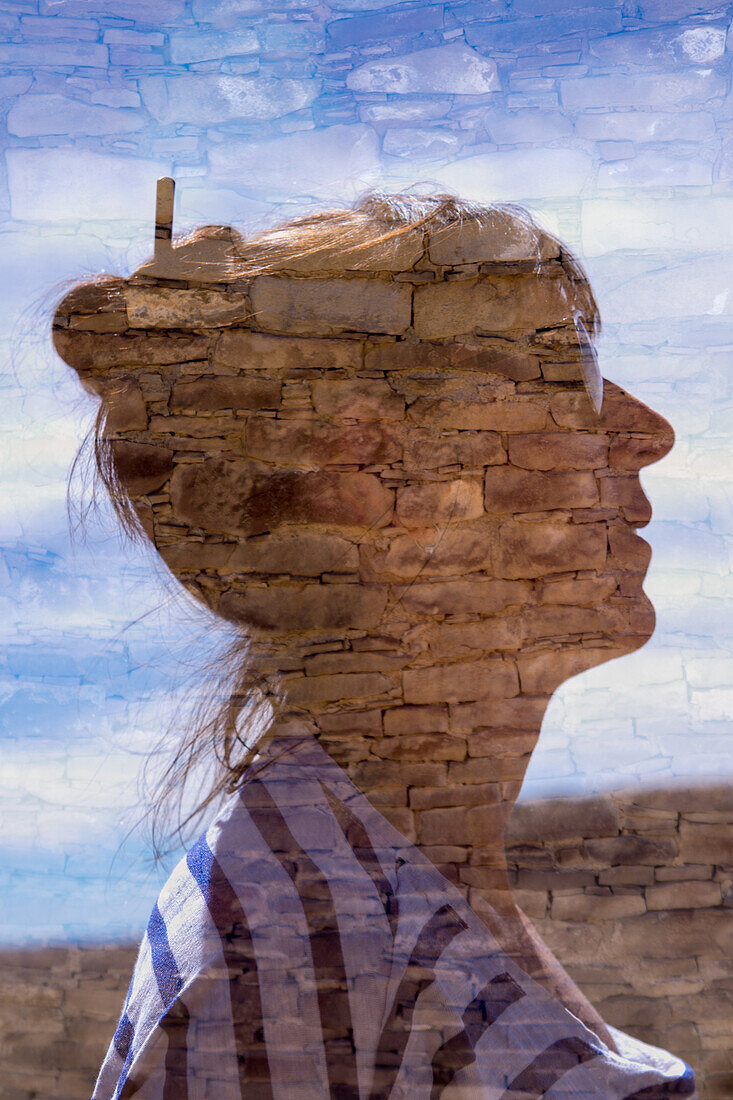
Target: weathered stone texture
(242, 350)
(330, 306)
(230, 497)
(161, 308)
(492, 305)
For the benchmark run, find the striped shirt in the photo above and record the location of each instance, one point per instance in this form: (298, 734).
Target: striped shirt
(305, 949)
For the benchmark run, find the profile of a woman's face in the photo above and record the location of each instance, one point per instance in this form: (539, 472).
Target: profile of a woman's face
(447, 461)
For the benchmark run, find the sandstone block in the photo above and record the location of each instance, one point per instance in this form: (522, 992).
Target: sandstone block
(460, 597)
(683, 895)
(416, 720)
(325, 689)
(456, 640)
(561, 621)
(283, 608)
(421, 774)
(453, 69)
(583, 907)
(576, 590)
(329, 306)
(197, 427)
(479, 794)
(461, 682)
(500, 240)
(357, 399)
(443, 360)
(536, 549)
(626, 876)
(439, 502)
(523, 303)
(423, 451)
(522, 713)
(519, 414)
(307, 554)
(421, 746)
(543, 672)
(323, 664)
(212, 392)
(87, 351)
(562, 818)
(141, 467)
(508, 489)
(706, 843)
(230, 498)
(259, 351)
(313, 444)
(632, 849)
(452, 555)
(558, 451)
(126, 411)
(160, 307)
(461, 825)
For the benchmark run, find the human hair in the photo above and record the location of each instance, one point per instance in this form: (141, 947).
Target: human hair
(369, 236)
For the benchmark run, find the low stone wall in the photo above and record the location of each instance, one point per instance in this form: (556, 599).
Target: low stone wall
(633, 891)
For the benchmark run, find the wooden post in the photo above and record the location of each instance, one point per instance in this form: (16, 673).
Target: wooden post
(164, 216)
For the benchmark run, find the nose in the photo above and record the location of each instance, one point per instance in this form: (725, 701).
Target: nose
(650, 437)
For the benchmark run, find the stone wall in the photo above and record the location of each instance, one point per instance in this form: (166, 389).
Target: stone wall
(633, 892)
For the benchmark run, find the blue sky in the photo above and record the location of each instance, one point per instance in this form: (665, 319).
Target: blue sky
(611, 121)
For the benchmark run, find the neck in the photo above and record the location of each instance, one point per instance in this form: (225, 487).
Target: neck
(440, 749)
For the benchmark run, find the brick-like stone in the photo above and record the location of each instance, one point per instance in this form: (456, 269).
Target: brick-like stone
(230, 498)
(224, 96)
(453, 553)
(439, 502)
(563, 818)
(501, 239)
(141, 467)
(158, 307)
(632, 849)
(419, 719)
(495, 634)
(452, 69)
(330, 306)
(461, 825)
(536, 549)
(313, 444)
(126, 410)
(291, 354)
(308, 607)
(484, 597)
(87, 351)
(477, 794)
(357, 399)
(558, 451)
(212, 392)
(327, 689)
(461, 682)
(306, 554)
(424, 451)
(543, 672)
(441, 360)
(586, 907)
(507, 489)
(491, 305)
(518, 414)
(421, 746)
(706, 843)
(683, 895)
